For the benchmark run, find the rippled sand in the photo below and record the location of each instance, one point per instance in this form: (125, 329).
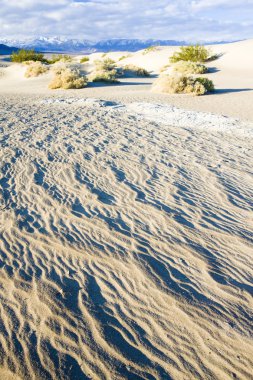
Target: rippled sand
(125, 244)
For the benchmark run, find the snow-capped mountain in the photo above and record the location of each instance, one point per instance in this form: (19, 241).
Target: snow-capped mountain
(59, 44)
(118, 44)
(49, 44)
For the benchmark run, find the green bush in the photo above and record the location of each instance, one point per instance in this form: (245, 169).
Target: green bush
(177, 84)
(84, 59)
(187, 67)
(27, 55)
(193, 53)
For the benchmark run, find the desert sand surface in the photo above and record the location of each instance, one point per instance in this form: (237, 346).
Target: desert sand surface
(126, 227)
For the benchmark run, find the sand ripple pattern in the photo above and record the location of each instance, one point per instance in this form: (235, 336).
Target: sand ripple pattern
(125, 247)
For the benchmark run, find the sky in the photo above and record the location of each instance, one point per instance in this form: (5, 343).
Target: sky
(198, 20)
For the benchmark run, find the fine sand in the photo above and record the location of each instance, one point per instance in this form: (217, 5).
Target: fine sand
(126, 226)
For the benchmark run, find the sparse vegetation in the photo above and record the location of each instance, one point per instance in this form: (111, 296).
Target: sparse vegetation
(59, 58)
(187, 67)
(133, 70)
(109, 76)
(164, 68)
(105, 64)
(193, 53)
(150, 49)
(124, 57)
(177, 84)
(84, 59)
(105, 71)
(27, 55)
(67, 78)
(35, 68)
(207, 83)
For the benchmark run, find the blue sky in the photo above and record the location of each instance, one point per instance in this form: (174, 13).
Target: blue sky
(98, 19)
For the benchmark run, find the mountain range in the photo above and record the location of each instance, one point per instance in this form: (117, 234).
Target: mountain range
(5, 50)
(60, 44)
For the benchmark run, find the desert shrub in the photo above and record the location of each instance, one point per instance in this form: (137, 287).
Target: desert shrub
(207, 83)
(109, 76)
(59, 58)
(67, 78)
(193, 53)
(105, 71)
(135, 70)
(35, 69)
(177, 84)
(149, 49)
(84, 59)
(27, 55)
(124, 57)
(106, 64)
(187, 67)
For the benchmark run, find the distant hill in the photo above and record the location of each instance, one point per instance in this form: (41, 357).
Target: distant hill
(5, 50)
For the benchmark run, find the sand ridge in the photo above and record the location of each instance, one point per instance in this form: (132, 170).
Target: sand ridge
(125, 243)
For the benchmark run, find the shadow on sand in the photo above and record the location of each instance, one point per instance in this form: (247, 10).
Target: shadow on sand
(231, 90)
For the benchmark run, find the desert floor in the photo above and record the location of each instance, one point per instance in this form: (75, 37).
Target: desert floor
(126, 227)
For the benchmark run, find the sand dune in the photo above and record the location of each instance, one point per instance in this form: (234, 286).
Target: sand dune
(232, 75)
(126, 236)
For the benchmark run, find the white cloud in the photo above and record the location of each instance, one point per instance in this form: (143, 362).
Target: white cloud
(97, 19)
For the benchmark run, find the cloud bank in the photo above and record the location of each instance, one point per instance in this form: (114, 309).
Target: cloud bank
(99, 19)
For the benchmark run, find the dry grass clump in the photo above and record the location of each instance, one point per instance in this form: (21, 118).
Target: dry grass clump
(105, 71)
(177, 84)
(133, 70)
(187, 67)
(109, 76)
(67, 78)
(193, 53)
(105, 64)
(35, 68)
